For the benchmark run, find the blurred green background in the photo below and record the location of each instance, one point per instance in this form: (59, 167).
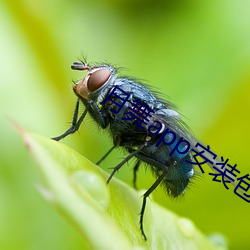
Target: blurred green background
(195, 52)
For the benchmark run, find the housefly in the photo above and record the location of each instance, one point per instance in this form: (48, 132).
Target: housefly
(148, 127)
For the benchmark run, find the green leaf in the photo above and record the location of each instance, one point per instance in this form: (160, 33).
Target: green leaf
(107, 215)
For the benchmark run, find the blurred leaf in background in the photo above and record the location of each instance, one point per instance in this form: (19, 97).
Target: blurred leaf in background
(196, 53)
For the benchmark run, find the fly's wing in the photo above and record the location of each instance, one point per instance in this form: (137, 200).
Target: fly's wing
(171, 119)
(193, 141)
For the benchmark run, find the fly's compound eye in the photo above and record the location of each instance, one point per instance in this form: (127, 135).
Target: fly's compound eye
(97, 79)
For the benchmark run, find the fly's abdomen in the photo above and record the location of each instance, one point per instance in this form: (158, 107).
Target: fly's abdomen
(178, 172)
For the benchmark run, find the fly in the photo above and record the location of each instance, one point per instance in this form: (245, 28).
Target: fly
(148, 127)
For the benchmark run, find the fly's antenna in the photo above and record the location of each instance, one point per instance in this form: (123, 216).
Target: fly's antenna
(80, 66)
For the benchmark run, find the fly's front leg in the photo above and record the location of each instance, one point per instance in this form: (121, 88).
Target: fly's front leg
(97, 114)
(75, 123)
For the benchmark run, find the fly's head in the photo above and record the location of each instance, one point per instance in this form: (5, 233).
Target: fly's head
(93, 85)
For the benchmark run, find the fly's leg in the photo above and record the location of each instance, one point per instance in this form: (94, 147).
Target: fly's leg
(145, 196)
(105, 155)
(124, 161)
(97, 114)
(90, 107)
(75, 124)
(135, 169)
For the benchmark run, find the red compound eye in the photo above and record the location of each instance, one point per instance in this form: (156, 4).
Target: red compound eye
(97, 79)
